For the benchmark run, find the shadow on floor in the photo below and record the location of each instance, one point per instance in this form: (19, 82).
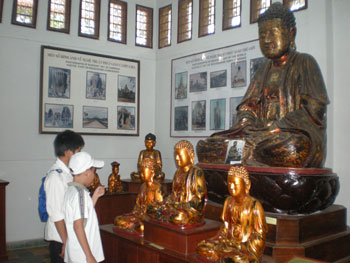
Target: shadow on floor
(29, 255)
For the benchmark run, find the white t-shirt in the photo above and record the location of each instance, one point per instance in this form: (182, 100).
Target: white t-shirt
(78, 204)
(56, 184)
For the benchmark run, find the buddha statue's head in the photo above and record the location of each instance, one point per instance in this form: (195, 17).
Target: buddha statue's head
(276, 31)
(148, 167)
(150, 141)
(238, 181)
(184, 153)
(115, 167)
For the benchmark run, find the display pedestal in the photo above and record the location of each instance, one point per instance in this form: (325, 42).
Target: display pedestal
(134, 187)
(322, 235)
(181, 240)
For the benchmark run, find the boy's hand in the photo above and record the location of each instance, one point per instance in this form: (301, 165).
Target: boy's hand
(91, 259)
(63, 249)
(100, 191)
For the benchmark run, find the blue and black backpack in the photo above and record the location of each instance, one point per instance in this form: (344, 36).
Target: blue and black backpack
(42, 199)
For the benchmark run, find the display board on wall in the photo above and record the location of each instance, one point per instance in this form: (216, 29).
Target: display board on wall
(207, 87)
(88, 93)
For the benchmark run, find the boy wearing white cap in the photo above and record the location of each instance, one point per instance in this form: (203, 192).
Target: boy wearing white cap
(84, 241)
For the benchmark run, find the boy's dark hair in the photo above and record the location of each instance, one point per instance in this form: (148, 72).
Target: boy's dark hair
(67, 140)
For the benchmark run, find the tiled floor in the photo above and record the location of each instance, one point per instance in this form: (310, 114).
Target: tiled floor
(29, 255)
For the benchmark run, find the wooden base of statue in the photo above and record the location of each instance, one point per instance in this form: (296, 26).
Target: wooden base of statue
(181, 240)
(124, 248)
(3, 255)
(134, 187)
(111, 205)
(321, 235)
(280, 190)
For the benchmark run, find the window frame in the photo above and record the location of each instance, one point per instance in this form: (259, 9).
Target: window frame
(171, 25)
(199, 19)
(66, 28)
(251, 11)
(123, 41)
(286, 2)
(151, 37)
(97, 20)
(178, 16)
(14, 13)
(223, 16)
(1, 6)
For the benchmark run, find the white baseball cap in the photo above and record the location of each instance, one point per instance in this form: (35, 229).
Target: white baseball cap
(82, 161)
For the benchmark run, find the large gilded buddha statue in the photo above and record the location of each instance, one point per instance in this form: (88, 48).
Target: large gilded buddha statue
(282, 116)
(241, 238)
(185, 205)
(149, 152)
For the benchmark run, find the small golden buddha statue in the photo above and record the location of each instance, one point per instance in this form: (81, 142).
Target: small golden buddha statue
(96, 183)
(241, 237)
(114, 183)
(185, 205)
(150, 193)
(150, 142)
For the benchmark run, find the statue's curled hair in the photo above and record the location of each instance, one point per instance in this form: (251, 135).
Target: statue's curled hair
(184, 144)
(277, 10)
(241, 172)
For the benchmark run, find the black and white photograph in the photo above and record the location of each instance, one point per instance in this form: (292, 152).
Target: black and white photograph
(181, 118)
(181, 85)
(59, 83)
(95, 117)
(235, 151)
(198, 82)
(254, 65)
(126, 118)
(126, 89)
(198, 115)
(217, 114)
(234, 102)
(58, 116)
(238, 74)
(95, 85)
(218, 79)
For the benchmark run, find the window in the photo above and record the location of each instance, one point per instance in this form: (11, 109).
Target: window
(144, 26)
(89, 19)
(117, 21)
(59, 15)
(24, 12)
(231, 14)
(184, 23)
(295, 5)
(165, 26)
(257, 7)
(1, 5)
(206, 17)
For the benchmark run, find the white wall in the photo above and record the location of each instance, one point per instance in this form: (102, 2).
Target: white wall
(341, 123)
(26, 155)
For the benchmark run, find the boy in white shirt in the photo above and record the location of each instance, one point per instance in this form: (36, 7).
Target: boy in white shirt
(56, 183)
(84, 241)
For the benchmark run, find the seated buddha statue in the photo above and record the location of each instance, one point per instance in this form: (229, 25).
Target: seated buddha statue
(282, 116)
(114, 183)
(150, 193)
(185, 205)
(149, 152)
(241, 237)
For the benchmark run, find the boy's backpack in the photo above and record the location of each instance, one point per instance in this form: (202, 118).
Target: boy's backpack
(42, 199)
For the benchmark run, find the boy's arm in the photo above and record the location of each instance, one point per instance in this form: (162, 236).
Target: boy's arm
(62, 231)
(100, 191)
(79, 231)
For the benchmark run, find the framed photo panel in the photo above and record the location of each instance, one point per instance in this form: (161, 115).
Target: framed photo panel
(206, 88)
(88, 93)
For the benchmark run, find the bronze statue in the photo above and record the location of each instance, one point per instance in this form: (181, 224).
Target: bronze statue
(241, 237)
(150, 142)
(186, 203)
(114, 183)
(282, 116)
(150, 193)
